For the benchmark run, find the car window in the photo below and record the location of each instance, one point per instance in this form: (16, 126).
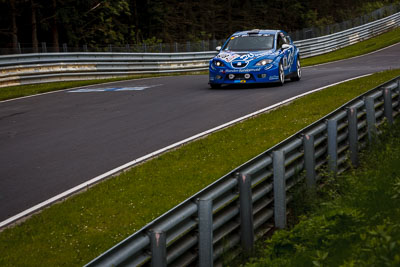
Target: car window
(250, 43)
(287, 39)
(281, 41)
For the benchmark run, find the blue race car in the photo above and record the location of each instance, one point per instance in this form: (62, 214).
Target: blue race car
(256, 56)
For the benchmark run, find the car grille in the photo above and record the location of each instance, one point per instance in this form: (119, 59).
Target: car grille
(239, 64)
(240, 76)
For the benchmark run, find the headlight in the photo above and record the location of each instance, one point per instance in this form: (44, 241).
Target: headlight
(218, 63)
(264, 62)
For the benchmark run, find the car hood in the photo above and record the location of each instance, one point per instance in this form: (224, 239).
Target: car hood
(230, 56)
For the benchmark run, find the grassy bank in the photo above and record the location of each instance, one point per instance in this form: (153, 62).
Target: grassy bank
(364, 47)
(353, 221)
(80, 228)
(370, 45)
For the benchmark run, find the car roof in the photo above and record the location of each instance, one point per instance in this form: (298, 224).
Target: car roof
(256, 31)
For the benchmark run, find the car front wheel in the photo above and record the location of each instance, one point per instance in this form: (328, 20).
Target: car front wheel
(281, 74)
(297, 76)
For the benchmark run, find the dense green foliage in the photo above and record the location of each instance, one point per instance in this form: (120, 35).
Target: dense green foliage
(118, 22)
(75, 231)
(355, 219)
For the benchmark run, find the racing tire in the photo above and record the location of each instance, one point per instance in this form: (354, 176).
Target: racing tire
(215, 86)
(281, 74)
(297, 76)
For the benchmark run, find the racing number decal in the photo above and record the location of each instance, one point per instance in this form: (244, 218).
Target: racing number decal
(288, 60)
(285, 62)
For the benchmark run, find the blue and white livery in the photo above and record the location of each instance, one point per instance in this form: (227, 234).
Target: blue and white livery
(256, 56)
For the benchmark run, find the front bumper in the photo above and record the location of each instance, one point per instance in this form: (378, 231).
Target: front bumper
(259, 74)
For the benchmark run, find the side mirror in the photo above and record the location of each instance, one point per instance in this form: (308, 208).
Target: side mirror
(218, 48)
(285, 46)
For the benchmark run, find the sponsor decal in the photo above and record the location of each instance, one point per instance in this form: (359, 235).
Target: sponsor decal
(251, 56)
(275, 77)
(239, 81)
(228, 57)
(247, 57)
(242, 70)
(268, 67)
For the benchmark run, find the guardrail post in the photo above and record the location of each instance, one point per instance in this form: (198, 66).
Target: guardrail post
(246, 212)
(19, 48)
(353, 135)
(160, 47)
(188, 46)
(206, 253)
(388, 108)
(309, 160)
(279, 189)
(44, 48)
(332, 145)
(85, 48)
(158, 241)
(398, 94)
(65, 48)
(371, 119)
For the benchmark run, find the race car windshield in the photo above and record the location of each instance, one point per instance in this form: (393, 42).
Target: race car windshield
(250, 43)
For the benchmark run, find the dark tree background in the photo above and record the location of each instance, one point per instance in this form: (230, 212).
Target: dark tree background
(120, 22)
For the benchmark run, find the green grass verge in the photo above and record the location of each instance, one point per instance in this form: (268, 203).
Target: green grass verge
(355, 219)
(16, 91)
(77, 230)
(364, 47)
(381, 41)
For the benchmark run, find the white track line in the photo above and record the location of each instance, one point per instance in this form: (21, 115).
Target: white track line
(370, 53)
(155, 153)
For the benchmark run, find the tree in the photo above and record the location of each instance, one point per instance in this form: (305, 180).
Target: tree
(54, 27)
(35, 43)
(14, 27)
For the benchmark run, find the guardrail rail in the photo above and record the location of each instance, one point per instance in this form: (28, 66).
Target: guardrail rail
(251, 200)
(52, 67)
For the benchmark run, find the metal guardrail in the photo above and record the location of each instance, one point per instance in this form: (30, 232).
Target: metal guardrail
(251, 200)
(51, 67)
(324, 44)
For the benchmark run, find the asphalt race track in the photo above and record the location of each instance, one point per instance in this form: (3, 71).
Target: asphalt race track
(53, 142)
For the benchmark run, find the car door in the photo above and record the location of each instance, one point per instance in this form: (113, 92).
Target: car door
(285, 52)
(289, 53)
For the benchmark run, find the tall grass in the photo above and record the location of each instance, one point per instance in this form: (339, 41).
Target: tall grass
(355, 220)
